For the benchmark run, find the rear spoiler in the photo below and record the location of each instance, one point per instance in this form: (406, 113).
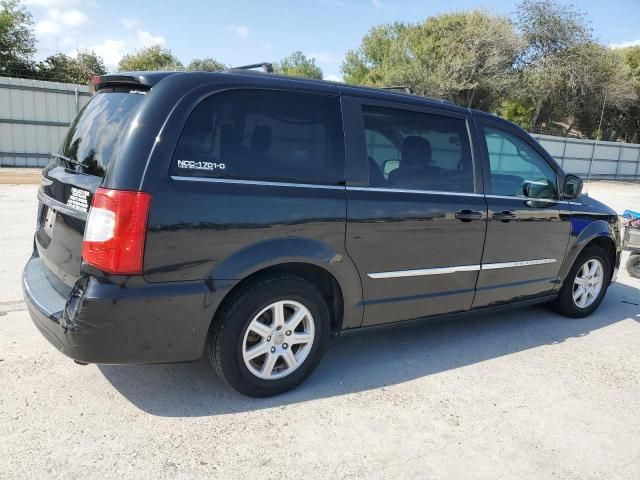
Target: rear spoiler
(135, 80)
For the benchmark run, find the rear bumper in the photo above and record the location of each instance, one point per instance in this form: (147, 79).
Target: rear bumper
(102, 322)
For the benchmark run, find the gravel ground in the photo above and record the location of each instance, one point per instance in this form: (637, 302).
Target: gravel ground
(525, 394)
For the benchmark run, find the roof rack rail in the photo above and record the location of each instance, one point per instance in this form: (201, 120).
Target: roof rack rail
(266, 67)
(399, 89)
(408, 91)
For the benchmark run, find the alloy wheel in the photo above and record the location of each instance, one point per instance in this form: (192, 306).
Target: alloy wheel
(278, 340)
(588, 283)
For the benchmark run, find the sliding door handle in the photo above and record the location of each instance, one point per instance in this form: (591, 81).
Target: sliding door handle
(504, 216)
(468, 215)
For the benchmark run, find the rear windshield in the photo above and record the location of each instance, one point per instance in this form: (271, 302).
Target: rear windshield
(93, 136)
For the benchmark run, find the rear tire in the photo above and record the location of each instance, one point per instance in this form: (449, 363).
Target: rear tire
(633, 265)
(581, 294)
(269, 337)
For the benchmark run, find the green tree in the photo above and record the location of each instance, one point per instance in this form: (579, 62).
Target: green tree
(550, 28)
(148, 59)
(551, 31)
(466, 57)
(598, 83)
(630, 125)
(383, 49)
(631, 57)
(17, 42)
(205, 65)
(78, 69)
(298, 65)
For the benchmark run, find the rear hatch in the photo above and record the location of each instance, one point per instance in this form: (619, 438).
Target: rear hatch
(76, 172)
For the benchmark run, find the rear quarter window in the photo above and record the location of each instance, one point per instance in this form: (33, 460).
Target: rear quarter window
(263, 135)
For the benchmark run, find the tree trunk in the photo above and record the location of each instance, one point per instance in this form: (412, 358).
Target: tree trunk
(471, 97)
(536, 114)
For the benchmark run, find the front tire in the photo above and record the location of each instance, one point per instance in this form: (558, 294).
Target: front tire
(269, 337)
(585, 285)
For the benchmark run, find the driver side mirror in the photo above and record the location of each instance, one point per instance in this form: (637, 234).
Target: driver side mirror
(572, 187)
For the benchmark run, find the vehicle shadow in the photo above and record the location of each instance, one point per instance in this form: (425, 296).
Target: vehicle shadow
(371, 358)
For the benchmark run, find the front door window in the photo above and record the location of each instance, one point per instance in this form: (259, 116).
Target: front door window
(516, 168)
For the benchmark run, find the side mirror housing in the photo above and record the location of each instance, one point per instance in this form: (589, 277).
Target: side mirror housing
(542, 189)
(572, 187)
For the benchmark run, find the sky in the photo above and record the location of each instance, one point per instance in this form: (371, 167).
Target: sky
(238, 32)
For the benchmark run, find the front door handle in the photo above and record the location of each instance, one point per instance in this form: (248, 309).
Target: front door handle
(468, 215)
(504, 216)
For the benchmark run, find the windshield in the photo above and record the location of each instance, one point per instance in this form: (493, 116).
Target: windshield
(93, 136)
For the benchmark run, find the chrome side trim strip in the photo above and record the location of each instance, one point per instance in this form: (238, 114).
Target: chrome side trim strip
(266, 183)
(256, 182)
(425, 271)
(460, 268)
(520, 263)
(313, 185)
(404, 190)
(525, 199)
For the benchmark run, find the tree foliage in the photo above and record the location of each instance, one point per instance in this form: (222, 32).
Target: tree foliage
(206, 65)
(543, 70)
(150, 59)
(298, 65)
(466, 57)
(17, 42)
(551, 33)
(549, 29)
(78, 69)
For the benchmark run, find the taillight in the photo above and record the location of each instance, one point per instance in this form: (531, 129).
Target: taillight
(116, 229)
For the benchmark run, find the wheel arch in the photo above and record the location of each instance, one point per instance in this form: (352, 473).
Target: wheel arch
(598, 233)
(330, 271)
(607, 244)
(323, 280)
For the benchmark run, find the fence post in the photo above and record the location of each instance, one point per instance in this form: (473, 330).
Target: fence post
(635, 177)
(620, 151)
(593, 153)
(564, 151)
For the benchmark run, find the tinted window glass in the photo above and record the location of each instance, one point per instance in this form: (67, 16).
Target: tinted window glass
(93, 135)
(415, 150)
(516, 168)
(263, 135)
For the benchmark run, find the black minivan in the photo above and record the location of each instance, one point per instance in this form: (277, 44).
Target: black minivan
(250, 216)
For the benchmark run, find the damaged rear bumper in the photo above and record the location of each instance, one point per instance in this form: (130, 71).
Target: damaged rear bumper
(112, 323)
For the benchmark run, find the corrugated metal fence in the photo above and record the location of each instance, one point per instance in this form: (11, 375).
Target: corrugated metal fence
(605, 160)
(34, 117)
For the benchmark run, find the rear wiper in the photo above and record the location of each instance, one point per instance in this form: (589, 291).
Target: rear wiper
(66, 159)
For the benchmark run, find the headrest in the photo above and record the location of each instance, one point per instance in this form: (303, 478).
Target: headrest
(416, 152)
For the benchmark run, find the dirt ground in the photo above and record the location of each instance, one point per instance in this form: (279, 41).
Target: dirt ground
(523, 394)
(19, 176)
